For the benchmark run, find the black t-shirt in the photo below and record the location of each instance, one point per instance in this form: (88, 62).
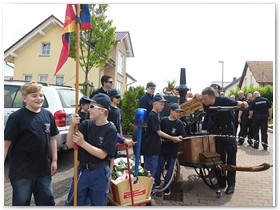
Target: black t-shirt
(100, 90)
(115, 116)
(260, 105)
(151, 141)
(103, 137)
(220, 118)
(146, 102)
(172, 128)
(30, 134)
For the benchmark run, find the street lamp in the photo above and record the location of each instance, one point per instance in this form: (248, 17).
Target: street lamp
(222, 74)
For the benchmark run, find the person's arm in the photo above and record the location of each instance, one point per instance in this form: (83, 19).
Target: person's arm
(242, 104)
(240, 115)
(53, 145)
(175, 139)
(7, 145)
(251, 114)
(269, 114)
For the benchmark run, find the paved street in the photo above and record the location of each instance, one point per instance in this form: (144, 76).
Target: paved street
(252, 188)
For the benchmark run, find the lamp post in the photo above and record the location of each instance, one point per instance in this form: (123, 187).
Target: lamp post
(222, 74)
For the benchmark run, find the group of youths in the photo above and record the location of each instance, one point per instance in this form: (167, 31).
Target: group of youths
(30, 132)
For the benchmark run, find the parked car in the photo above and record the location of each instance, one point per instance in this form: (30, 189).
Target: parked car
(60, 100)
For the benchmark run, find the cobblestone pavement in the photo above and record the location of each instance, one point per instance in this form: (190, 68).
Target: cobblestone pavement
(252, 188)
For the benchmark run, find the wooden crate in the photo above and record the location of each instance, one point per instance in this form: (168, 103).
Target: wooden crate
(191, 148)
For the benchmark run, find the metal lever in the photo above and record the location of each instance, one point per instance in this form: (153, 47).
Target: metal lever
(223, 108)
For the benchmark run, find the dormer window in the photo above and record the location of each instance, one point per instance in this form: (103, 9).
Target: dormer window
(45, 49)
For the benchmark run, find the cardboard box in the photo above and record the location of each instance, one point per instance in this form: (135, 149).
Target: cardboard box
(191, 148)
(120, 193)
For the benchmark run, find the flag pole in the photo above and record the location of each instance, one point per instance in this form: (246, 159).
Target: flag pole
(76, 107)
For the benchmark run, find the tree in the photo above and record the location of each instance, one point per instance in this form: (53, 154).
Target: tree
(128, 105)
(95, 44)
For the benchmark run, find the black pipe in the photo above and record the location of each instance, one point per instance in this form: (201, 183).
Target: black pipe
(182, 88)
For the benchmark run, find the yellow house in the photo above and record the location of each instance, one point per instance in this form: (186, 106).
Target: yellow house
(35, 57)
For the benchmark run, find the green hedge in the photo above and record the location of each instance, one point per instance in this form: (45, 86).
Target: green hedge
(128, 105)
(265, 91)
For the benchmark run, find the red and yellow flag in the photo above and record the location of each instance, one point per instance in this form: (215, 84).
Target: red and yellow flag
(70, 25)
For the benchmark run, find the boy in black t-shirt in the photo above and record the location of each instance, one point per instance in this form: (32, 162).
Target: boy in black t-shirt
(172, 126)
(96, 138)
(30, 136)
(152, 142)
(115, 116)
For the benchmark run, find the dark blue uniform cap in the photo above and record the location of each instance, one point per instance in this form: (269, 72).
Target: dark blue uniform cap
(159, 98)
(216, 86)
(102, 99)
(84, 100)
(176, 107)
(113, 93)
(151, 84)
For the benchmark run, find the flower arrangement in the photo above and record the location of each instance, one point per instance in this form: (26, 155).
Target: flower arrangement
(170, 89)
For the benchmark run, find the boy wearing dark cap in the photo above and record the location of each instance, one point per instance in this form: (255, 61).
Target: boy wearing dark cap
(115, 116)
(172, 126)
(96, 138)
(83, 110)
(152, 140)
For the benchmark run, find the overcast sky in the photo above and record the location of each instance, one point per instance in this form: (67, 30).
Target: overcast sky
(167, 37)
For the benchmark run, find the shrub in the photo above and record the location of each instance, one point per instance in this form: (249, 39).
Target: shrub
(128, 106)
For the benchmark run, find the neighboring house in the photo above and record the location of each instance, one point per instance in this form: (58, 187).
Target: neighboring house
(256, 74)
(232, 86)
(35, 57)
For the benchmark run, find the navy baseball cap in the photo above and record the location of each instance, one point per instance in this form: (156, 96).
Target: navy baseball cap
(151, 84)
(113, 93)
(216, 86)
(84, 100)
(175, 107)
(159, 98)
(102, 99)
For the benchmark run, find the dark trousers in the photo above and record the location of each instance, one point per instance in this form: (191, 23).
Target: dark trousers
(227, 148)
(162, 159)
(260, 122)
(246, 129)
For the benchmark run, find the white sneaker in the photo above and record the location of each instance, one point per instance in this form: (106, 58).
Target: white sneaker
(167, 191)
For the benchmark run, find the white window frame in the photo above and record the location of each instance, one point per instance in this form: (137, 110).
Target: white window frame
(27, 76)
(57, 78)
(45, 49)
(121, 63)
(41, 78)
(120, 87)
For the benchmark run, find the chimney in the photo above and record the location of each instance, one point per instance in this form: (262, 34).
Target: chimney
(182, 89)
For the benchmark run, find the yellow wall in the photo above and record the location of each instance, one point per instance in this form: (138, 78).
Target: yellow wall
(29, 61)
